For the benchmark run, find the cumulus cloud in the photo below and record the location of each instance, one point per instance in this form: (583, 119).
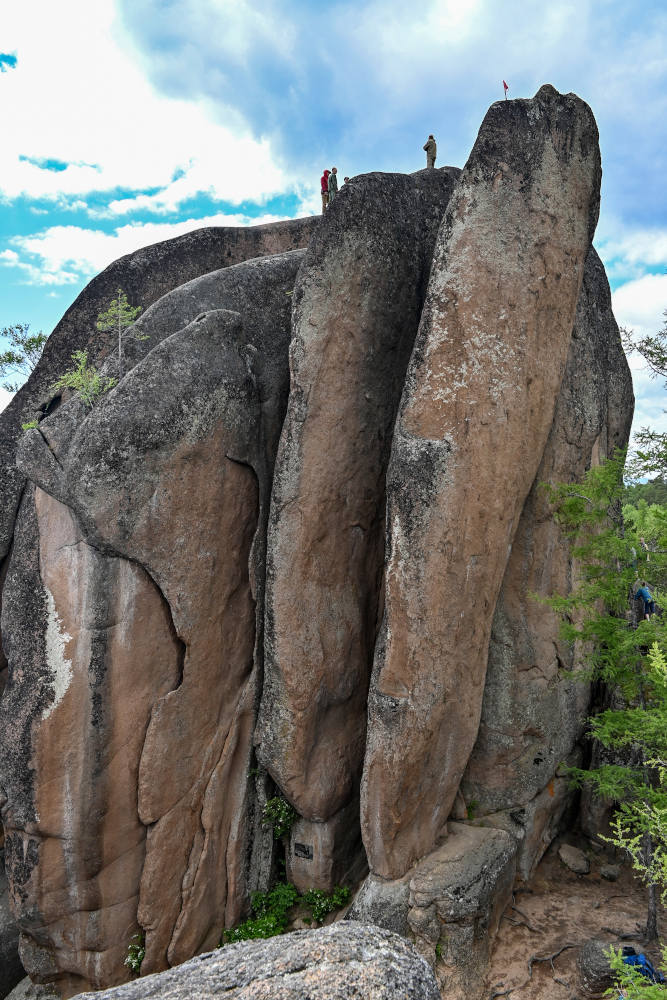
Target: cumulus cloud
(365, 82)
(640, 305)
(77, 116)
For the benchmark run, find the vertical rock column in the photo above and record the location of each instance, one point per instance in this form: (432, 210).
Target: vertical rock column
(357, 304)
(474, 418)
(533, 715)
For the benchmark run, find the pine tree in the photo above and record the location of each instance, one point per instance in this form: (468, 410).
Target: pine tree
(628, 655)
(118, 317)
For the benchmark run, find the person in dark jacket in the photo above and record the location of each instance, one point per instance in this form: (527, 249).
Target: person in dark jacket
(324, 186)
(431, 151)
(333, 184)
(647, 598)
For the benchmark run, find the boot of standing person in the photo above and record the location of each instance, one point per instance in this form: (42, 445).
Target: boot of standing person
(431, 151)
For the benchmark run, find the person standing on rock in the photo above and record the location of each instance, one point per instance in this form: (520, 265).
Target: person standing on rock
(647, 598)
(324, 186)
(431, 151)
(333, 184)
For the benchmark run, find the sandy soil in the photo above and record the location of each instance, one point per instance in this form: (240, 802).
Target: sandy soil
(558, 911)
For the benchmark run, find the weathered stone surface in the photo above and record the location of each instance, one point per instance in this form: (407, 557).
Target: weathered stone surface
(532, 715)
(384, 903)
(11, 970)
(457, 897)
(595, 975)
(145, 276)
(342, 962)
(534, 824)
(574, 859)
(27, 990)
(171, 470)
(89, 659)
(610, 872)
(356, 310)
(480, 391)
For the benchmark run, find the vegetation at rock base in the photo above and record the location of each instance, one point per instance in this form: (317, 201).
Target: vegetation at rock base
(271, 910)
(117, 318)
(30, 425)
(135, 953)
(279, 814)
(85, 380)
(23, 354)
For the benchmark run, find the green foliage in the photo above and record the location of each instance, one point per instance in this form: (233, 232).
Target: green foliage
(631, 982)
(86, 381)
(438, 950)
(653, 492)
(270, 910)
(117, 318)
(630, 661)
(472, 808)
(321, 903)
(279, 814)
(29, 426)
(135, 953)
(23, 354)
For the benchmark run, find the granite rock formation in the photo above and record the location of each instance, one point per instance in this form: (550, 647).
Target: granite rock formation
(481, 389)
(342, 962)
(277, 556)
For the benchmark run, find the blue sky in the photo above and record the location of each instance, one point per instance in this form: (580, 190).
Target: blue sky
(129, 121)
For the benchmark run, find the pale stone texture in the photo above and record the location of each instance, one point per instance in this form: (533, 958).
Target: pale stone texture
(347, 961)
(474, 419)
(357, 304)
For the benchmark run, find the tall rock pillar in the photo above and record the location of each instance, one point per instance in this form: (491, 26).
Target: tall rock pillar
(474, 419)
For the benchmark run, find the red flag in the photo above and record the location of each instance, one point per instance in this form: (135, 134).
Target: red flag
(505, 86)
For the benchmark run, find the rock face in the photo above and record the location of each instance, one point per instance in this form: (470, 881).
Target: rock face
(145, 276)
(341, 962)
(11, 970)
(292, 536)
(349, 353)
(198, 400)
(531, 714)
(480, 392)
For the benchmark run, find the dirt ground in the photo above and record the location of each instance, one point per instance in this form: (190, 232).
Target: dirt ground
(554, 914)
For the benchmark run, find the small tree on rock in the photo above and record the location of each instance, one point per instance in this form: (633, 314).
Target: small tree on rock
(118, 317)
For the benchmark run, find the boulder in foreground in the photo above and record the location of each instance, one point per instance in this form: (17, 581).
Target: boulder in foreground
(344, 961)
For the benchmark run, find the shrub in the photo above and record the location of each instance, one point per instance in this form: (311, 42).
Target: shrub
(279, 814)
(135, 953)
(86, 381)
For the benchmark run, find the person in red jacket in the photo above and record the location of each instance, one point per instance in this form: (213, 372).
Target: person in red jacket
(324, 185)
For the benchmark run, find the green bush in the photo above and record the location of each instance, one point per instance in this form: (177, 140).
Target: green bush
(86, 381)
(279, 814)
(29, 426)
(270, 910)
(135, 953)
(269, 914)
(321, 903)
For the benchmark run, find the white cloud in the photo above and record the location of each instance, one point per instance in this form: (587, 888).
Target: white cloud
(78, 96)
(63, 254)
(640, 305)
(5, 398)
